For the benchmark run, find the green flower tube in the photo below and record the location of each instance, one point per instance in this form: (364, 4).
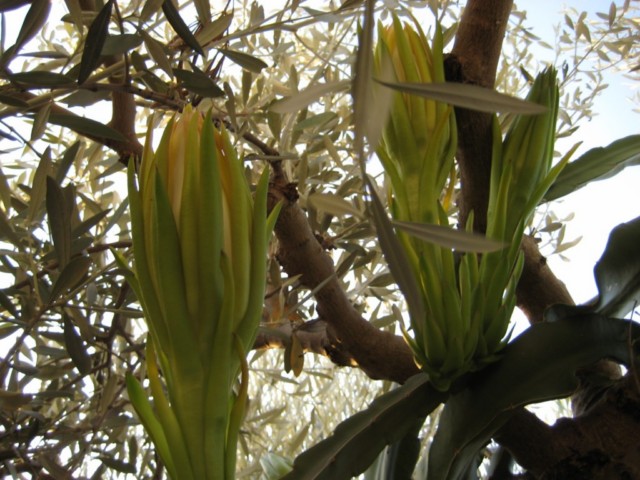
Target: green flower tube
(200, 243)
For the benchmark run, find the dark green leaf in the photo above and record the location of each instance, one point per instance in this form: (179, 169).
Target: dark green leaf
(180, 27)
(538, 365)
(245, 60)
(6, 230)
(89, 223)
(85, 98)
(68, 157)
(358, 440)
(12, 101)
(41, 78)
(76, 348)
(395, 255)
(118, 465)
(472, 97)
(8, 305)
(39, 185)
(198, 83)
(7, 5)
(71, 276)
(59, 216)
(33, 22)
(96, 37)
(596, 164)
(86, 126)
(119, 44)
(618, 271)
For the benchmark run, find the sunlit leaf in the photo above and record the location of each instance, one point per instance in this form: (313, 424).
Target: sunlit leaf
(157, 52)
(96, 37)
(472, 97)
(212, 31)
(333, 204)
(302, 99)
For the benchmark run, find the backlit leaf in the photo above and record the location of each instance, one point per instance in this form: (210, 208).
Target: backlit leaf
(450, 238)
(472, 97)
(309, 95)
(246, 61)
(96, 37)
(86, 126)
(181, 28)
(76, 348)
(596, 164)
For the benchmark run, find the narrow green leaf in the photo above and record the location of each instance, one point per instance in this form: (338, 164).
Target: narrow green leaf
(89, 223)
(41, 78)
(33, 22)
(76, 348)
(333, 204)
(8, 5)
(539, 365)
(450, 238)
(12, 101)
(68, 157)
(59, 217)
(212, 31)
(157, 52)
(316, 121)
(204, 11)
(199, 83)
(246, 61)
(119, 44)
(399, 264)
(358, 440)
(96, 37)
(150, 7)
(86, 126)
(181, 28)
(40, 121)
(70, 277)
(618, 271)
(6, 229)
(302, 99)
(39, 185)
(472, 97)
(596, 164)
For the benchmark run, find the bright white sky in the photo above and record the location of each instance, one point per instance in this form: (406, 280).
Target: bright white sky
(601, 205)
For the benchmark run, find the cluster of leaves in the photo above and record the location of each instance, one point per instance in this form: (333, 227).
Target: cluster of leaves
(68, 320)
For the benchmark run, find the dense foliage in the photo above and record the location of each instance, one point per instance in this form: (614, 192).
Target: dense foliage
(82, 81)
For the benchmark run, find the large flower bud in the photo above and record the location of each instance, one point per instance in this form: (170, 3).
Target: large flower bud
(419, 140)
(200, 243)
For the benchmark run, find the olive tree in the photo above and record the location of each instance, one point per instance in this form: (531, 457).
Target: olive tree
(347, 373)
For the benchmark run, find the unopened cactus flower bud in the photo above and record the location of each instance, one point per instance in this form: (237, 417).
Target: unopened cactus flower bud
(200, 242)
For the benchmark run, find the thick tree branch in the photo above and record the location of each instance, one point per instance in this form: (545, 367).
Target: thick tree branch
(380, 354)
